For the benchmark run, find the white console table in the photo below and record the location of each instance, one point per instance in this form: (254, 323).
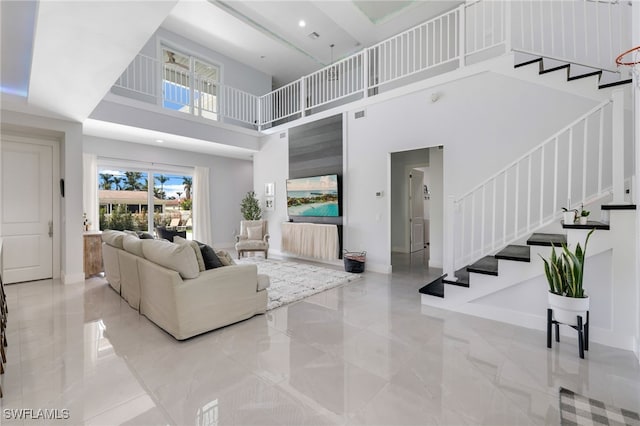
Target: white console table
(315, 240)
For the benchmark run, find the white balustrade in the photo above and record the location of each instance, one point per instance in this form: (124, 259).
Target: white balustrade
(520, 193)
(280, 104)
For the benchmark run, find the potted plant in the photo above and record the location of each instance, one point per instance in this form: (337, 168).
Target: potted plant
(569, 215)
(564, 274)
(583, 215)
(250, 207)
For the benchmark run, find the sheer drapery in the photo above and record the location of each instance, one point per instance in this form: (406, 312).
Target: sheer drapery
(90, 189)
(201, 206)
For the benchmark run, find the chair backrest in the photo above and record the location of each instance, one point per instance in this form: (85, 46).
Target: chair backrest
(168, 234)
(175, 222)
(244, 224)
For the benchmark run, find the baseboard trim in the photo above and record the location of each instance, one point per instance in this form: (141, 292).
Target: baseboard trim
(71, 278)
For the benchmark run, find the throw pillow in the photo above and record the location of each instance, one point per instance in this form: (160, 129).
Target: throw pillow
(196, 249)
(211, 261)
(254, 232)
(179, 258)
(225, 258)
(144, 235)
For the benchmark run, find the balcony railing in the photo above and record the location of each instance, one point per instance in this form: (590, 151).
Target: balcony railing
(585, 32)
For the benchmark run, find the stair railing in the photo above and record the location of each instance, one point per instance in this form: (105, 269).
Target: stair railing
(571, 167)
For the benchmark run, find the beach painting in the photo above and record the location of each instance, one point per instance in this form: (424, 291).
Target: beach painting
(313, 196)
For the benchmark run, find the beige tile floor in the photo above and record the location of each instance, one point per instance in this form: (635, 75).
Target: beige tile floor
(365, 353)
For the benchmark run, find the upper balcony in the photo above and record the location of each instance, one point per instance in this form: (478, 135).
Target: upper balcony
(588, 33)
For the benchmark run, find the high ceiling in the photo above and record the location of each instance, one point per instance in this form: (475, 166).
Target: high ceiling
(266, 35)
(60, 58)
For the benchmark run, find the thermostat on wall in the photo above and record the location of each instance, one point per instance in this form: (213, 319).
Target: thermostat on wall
(379, 194)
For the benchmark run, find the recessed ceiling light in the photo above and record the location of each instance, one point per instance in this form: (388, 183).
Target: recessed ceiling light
(159, 140)
(302, 24)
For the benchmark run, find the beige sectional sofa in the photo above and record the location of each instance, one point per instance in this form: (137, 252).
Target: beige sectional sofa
(165, 283)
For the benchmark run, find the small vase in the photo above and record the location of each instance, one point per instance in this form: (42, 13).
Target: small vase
(583, 220)
(566, 309)
(569, 217)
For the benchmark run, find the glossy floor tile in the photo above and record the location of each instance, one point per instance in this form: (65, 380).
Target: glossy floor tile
(366, 353)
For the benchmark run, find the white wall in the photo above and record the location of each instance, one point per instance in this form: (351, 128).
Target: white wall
(436, 206)
(484, 122)
(271, 164)
(230, 179)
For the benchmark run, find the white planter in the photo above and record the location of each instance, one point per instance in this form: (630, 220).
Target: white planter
(569, 217)
(583, 220)
(567, 309)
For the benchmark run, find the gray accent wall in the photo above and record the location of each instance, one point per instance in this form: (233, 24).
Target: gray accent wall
(316, 149)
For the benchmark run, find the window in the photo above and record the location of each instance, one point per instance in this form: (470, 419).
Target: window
(189, 84)
(126, 198)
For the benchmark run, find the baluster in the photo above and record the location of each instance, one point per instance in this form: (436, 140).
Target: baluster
(529, 195)
(586, 40)
(517, 200)
(504, 208)
(493, 214)
(555, 178)
(569, 166)
(574, 35)
(542, 171)
(484, 194)
(531, 25)
(473, 224)
(584, 161)
(600, 148)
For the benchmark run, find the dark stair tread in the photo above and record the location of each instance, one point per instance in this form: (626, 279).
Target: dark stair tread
(552, 69)
(515, 253)
(547, 240)
(579, 76)
(434, 288)
(523, 64)
(618, 207)
(615, 83)
(463, 278)
(488, 265)
(591, 224)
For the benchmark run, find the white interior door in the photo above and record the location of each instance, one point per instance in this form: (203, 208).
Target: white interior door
(416, 210)
(27, 211)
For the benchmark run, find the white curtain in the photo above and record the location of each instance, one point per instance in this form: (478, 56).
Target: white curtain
(201, 206)
(90, 189)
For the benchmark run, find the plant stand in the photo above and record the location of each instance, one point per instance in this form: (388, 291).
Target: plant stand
(582, 329)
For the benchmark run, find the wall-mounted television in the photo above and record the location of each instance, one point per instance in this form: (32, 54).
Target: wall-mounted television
(315, 196)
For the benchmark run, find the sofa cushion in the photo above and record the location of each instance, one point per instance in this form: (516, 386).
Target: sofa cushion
(225, 258)
(211, 260)
(177, 257)
(254, 232)
(132, 245)
(195, 246)
(132, 233)
(113, 238)
(263, 281)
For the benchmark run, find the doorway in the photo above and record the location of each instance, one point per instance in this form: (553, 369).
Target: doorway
(28, 218)
(416, 209)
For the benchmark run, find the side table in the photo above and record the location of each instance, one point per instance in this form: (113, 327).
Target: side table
(92, 253)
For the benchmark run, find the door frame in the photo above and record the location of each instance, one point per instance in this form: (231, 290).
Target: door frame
(54, 143)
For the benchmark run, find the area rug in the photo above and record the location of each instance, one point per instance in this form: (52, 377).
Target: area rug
(576, 409)
(291, 281)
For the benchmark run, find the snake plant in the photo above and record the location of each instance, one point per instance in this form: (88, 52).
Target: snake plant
(565, 271)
